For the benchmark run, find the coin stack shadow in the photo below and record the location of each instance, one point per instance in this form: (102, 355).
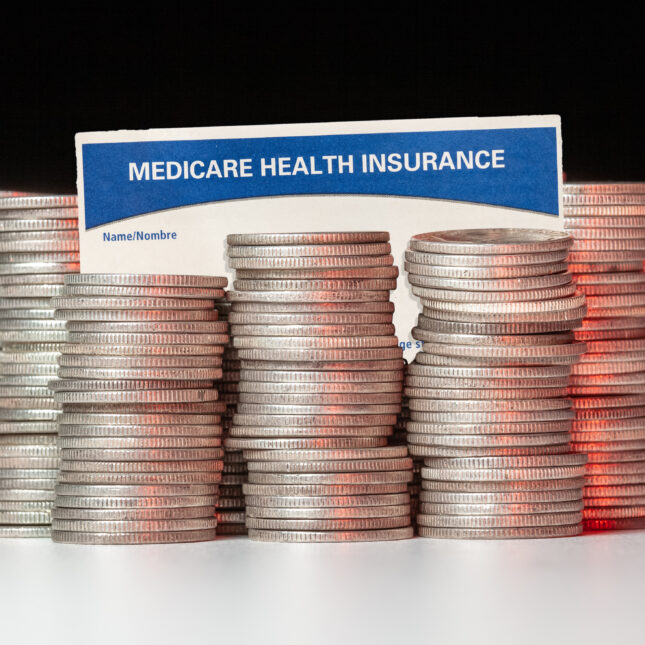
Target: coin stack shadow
(320, 387)
(140, 433)
(607, 222)
(400, 438)
(38, 246)
(230, 509)
(488, 392)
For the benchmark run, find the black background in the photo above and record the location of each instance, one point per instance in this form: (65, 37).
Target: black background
(76, 67)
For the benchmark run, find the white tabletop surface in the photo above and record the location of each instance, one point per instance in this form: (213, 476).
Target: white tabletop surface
(588, 589)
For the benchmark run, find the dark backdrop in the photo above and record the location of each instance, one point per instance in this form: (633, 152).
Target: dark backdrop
(70, 68)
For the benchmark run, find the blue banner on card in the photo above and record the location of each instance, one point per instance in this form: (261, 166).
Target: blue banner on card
(514, 168)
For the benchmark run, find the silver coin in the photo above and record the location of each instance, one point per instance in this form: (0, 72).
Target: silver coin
(19, 484)
(26, 505)
(23, 391)
(25, 517)
(34, 201)
(491, 241)
(82, 290)
(505, 273)
(307, 250)
(527, 427)
(29, 281)
(479, 389)
(156, 537)
(38, 268)
(157, 442)
(312, 342)
(564, 354)
(321, 273)
(139, 362)
(31, 290)
(207, 374)
(141, 303)
(322, 354)
(484, 260)
(290, 455)
(87, 385)
(499, 521)
(153, 327)
(502, 474)
(133, 526)
(604, 188)
(327, 512)
(25, 531)
(500, 509)
(143, 419)
(155, 454)
(26, 324)
(27, 314)
(135, 491)
(114, 433)
(571, 304)
(305, 297)
(351, 524)
(260, 239)
(158, 280)
(588, 199)
(510, 497)
(133, 514)
(501, 486)
(353, 478)
(279, 443)
(526, 532)
(331, 536)
(29, 415)
(269, 433)
(311, 262)
(25, 303)
(431, 451)
(504, 440)
(295, 419)
(528, 284)
(311, 330)
(34, 336)
(141, 350)
(327, 366)
(313, 379)
(91, 503)
(333, 387)
(27, 427)
(375, 306)
(151, 396)
(241, 320)
(137, 315)
(312, 411)
(327, 501)
(139, 478)
(303, 489)
(463, 296)
(320, 398)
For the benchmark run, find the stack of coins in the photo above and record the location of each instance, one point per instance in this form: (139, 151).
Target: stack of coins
(607, 222)
(140, 433)
(320, 387)
(230, 510)
(489, 411)
(38, 246)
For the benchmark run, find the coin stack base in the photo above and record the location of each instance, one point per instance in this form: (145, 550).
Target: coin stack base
(140, 435)
(608, 386)
(319, 387)
(38, 247)
(487, 394)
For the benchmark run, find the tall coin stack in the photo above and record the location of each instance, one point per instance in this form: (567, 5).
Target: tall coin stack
(488, 392)
(140, 432)
(231, 519)
(38, 246)
(607, 222)
(320, 387)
